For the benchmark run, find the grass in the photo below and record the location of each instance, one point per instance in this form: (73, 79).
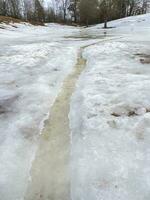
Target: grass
(8, 20)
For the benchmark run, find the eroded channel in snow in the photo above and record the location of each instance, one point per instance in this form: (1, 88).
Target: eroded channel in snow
(31, 75)
(50, 174)
(110, 122)
(33, 64)
(109, 114)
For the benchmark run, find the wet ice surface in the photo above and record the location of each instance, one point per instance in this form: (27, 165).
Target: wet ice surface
(33, 65)
(110, 121)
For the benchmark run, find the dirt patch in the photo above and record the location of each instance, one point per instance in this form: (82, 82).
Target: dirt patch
(8, 20)
(130, 113)
(144, 58)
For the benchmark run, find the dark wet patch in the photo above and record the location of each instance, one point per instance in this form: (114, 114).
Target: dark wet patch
(56, 69)
(14, 26)
(29, 132)
(2, 27)
(130, 113)
(2, 110)
(86, 37)
(143, 58)
(109, 27)
(6, 105)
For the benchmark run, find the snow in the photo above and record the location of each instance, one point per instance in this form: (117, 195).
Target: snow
(33, 65)
(110, 116)
(109, 111)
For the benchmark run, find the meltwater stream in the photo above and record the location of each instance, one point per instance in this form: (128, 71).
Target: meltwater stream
(50, 173)
(50, 179)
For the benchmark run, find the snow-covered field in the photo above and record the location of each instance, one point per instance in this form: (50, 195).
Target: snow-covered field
(110, 116)
(110, 109)
(33, 65)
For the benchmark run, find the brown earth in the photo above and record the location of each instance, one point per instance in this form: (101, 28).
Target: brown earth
(8, 20)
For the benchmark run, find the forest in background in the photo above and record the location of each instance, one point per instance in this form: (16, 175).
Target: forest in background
(82, 12)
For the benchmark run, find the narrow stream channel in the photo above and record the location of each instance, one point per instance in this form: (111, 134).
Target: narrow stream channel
(50, 173)
(50, 179)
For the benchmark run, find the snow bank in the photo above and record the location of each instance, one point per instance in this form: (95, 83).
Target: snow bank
(125, 26)
(110, 121)
(32, 69)
(136, 21)
(109, 110)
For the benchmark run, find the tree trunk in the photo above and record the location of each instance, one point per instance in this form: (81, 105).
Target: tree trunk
(87, 22)
(64, 15)
(105, 23)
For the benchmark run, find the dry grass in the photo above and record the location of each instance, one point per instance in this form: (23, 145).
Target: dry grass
(8, 20)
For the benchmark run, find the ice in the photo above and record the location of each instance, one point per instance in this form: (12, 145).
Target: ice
(110, 117)
(33, 64)
(109, 112)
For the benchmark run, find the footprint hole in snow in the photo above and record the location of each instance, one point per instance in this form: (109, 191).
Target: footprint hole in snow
(112, 123)
(2, 110)
(142, 128)
(56, 69)
(128, 111)
(6, 102)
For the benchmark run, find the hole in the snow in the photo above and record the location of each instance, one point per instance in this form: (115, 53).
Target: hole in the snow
(6, 104)
(2, 27)
(144, 58)
(2, 110)
(130, 112)
(56, 69)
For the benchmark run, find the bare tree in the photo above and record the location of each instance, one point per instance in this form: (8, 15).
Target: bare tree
(39, 14)
(64, 6)
(74, 10)
(50, 15)
(106, 8)
(3, 9)
(88, 11)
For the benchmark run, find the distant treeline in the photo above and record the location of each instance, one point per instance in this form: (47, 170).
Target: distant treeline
(82, 12)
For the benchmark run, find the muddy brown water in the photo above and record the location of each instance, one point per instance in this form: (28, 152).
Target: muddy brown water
(50, 171)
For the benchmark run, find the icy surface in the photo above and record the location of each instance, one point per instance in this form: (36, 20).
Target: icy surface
(110, 109)
(33, 65)
(110, 116)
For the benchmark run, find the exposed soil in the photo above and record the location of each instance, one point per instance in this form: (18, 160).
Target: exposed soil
(144, 58)
(8, 20)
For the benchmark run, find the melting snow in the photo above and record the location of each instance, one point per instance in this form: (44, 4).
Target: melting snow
(33, 65)
(110, 109)
(110, 117)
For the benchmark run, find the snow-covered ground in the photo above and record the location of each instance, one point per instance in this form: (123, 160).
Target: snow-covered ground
(33, 65)
(110, 116)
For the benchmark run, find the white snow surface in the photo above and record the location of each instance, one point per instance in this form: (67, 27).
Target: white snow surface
(110, 116)
(34, 62)
(33, 65)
